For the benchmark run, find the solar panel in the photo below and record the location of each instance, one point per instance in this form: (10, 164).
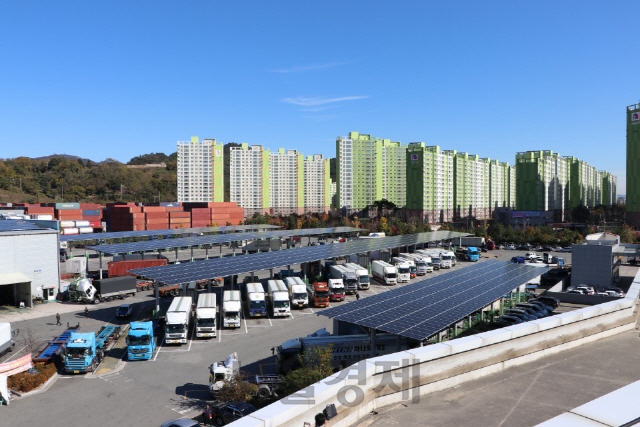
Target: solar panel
(228, 266)
(172, 232)
(154, 245)
(15, 225)
(424, 308)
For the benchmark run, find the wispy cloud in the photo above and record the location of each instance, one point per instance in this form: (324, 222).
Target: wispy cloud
(318, 100)
(310, 67)
(321, 118)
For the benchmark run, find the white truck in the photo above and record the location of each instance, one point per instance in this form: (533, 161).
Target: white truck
(223, 371)
(262, 245)
(206, 313)
(336, 290)
(178, 320)
(231, 307)
(477, 242)
(422, 266)
(349, 278)
(406, 268)
(256, 302)
(449, 256)
(297, 292)
(6, 344)
(384, 272)
(278, 297)
(435, 255)
(361, 273)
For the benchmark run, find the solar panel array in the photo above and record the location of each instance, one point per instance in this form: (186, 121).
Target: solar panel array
(424, 308)
(154, 245)
(229, 266)
(172, 232)
(15, 225)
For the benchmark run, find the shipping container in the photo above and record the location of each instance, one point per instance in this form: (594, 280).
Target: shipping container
(82, 223)
(121, 268)
(85, 230)
(65, 206)
(91, 212)
(70, 230)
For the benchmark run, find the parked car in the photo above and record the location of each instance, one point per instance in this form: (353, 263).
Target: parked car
(566, 249)
(530, 255)
(510, 247)
(124, 310)
(577, 291)
(588, 290)
(540, 312)
(550, 301)
(537, 259)
(614, 289)
(224, 413)
(542, 305)
(517, 260)
(507, 320)
(522, 314)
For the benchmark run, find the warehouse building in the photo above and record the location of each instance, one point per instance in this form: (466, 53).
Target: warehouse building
(29, 266)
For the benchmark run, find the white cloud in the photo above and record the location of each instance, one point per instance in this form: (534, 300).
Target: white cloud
(315, 101)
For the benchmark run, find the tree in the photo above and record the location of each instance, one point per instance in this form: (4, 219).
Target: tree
(315, 366)
(237, 388)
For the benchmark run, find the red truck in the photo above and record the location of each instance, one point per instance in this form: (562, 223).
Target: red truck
(318, 294)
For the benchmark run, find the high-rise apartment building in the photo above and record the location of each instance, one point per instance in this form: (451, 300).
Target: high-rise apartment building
(429, 183)
(633, 166)
(501, 185)
(609, 188)
(542, 181)
(368, 169)
(471, 186)
(200, 171)
(317, 184)
(585, 184)
(249, 183)
(286, 182)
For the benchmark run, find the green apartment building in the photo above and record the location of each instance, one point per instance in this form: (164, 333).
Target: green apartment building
(585, 184)
(609, 188)
(542, 181)
(633, 165)
(429, 183)
(249, 182)
(471, 186)
(200, 170)
(501, 185)
(286, 182)
(317, 184)
(368, 169)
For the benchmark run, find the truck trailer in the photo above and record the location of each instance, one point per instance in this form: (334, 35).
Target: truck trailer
(231, 306)
(297, 292)
(384, 272)
(362, 274)
(84, 351)
(178, 320)
(348, 276)
(206, 313)
(121, 268)
(141, 343)
(85, 291)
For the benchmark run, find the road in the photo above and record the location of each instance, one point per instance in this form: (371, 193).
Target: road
(175, 383)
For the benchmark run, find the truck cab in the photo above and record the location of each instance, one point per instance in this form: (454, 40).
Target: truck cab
(222, 372)
(473, 254)
(336, 290)
(141, 343)
(362, 274)
(81, 354)
(448, 259)
(318, 293)
(404, 272)
(178, 321)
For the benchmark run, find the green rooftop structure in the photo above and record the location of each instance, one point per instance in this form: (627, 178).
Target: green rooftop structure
(633, 166)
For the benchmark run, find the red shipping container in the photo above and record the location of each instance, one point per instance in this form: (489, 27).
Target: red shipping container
(200, 211)
(157, 226)
(89, 206)
(154, 209)
(180, 220)
(174, 209)
(156, 221)
(95, 224)
(121, 268)
(156, 215)
(176, 226)
(179, 215)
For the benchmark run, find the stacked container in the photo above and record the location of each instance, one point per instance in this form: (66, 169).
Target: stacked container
(156, 218)
(179, 219)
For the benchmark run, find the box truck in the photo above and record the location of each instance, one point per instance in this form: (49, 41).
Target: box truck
(384, 272)
(206, 312)
(278, 297)
(231, 307)
(297, 292)
(256, 302)
(178, 320)
(362, 274)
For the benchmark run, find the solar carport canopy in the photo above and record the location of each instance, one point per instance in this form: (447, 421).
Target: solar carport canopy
(422, 309)
(168, 232)
(229, 266)
(215, 239)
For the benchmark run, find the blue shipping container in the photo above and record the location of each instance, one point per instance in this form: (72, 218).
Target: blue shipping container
(95, 212)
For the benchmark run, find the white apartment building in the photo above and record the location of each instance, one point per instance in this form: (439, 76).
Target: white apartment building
(317, 189)
(199, 171)
(249, 178)
(286, 182)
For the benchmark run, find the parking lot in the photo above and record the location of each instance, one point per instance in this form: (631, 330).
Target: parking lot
(175, 382)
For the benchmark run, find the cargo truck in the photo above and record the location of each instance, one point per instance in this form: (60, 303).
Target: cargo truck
(121, 268)
(422, 266)
(477, 242)
(178, 320)
(256, 302)
(362, 274)
(262, 246)
(84, 291)
(336, 290)
(231, 307)
(206, 312)
(349, 278)
(384, 272)
(468, 254)
(346, 349)
(223, 371)
(84, 351)
(448, 259)
(278, 298)
(404, 269)
(297, 292)
(6, 343)
(318, 293)
(141, 343)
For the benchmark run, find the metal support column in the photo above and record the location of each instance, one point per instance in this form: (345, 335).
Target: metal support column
(100, 256)
(373, 342)
(191, 253)
(492, 310)
(176, 254)
(271, 273)
(206, 252)
(220, 251)
(234, 281)
(156, 286)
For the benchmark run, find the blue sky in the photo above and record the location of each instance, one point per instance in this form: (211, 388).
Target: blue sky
(118, 79)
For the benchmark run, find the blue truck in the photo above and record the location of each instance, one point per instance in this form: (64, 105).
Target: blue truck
(141, 343)
(84, 351)
(468, 254)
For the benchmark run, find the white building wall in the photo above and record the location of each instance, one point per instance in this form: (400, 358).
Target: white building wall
(34, 255)
(314, 184)
(245, 178)
(195, 171)
(284, 182)
(345, 148)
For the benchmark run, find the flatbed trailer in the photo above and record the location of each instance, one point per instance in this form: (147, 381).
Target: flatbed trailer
(106, 335)
(55, 346)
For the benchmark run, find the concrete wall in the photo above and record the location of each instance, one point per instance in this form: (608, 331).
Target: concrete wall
(591, 265)
(405, 375)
